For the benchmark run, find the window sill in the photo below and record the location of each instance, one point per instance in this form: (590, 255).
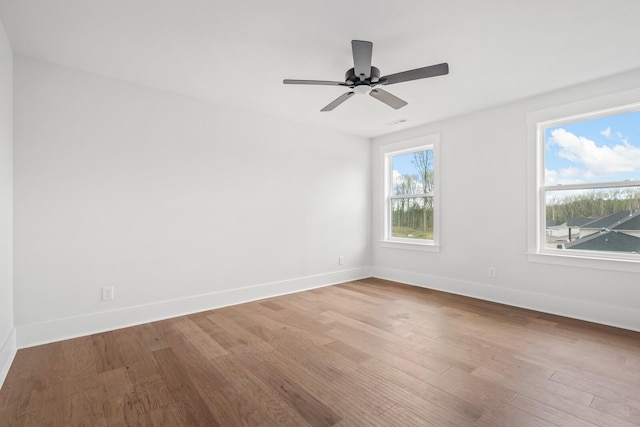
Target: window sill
(631, 266)
(421, 247)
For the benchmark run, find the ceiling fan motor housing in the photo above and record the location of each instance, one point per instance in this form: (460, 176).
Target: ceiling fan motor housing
(352, 80)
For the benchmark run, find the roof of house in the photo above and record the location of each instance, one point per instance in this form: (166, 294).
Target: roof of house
(631, 222)
(607, 241)
(579, 222)
(609, 221)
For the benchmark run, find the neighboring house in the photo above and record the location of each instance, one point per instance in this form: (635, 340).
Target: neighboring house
(560, 233)
(608, 222)
(630, 225)
(618, 232)
(579, 222)
(610, 241)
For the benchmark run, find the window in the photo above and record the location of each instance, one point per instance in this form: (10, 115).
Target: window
(588, 177)
(410, 200)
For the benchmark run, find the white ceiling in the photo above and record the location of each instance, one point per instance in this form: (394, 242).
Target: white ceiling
(238, 51)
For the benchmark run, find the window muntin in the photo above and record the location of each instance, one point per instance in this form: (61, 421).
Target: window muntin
(589, 195)
(410, 195)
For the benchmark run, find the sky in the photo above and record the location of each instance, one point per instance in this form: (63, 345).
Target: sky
(403, 165)
(600, 150)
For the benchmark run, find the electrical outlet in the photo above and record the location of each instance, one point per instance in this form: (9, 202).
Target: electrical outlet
(491, 272)
(107, 293)
(341, 260)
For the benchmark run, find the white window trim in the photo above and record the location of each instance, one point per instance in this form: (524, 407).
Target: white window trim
(536, 121)
(431, 141)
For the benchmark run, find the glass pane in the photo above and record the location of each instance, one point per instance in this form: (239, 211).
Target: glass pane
(606, 219)
(598, 150)
(412, 218)
(412, 173)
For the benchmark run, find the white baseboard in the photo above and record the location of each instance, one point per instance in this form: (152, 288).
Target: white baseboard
(33, 334)
(7, 353)
(621, 317)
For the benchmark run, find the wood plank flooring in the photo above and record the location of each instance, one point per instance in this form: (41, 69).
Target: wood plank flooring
(364, 353)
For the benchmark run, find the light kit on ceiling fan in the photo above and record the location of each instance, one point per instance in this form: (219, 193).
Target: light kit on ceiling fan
(362, 89)
(363, 78)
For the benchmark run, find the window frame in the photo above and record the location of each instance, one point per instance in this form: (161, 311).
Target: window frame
(387, 152)
(537, 123)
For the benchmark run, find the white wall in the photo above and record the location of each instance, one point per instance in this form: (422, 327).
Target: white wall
(185, 205)
(484, 219)
(7, 335)
(180, 204)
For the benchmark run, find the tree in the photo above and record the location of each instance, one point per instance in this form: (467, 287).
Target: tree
(593, 204)
(423, 161)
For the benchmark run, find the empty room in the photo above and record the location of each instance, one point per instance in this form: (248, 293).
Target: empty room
(366, 213)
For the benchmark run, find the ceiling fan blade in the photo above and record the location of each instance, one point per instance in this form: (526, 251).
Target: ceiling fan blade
(362, 52)
(339, 100)
(391, 100)
(312, 82)
(418, 73)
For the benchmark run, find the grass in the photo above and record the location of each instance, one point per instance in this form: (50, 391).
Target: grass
(411, 233)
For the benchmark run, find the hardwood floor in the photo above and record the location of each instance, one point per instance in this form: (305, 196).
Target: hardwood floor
(365, 353)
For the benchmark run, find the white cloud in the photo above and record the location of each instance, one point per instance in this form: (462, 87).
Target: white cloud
(606, 132)
(597, 160)
(564, 176)
(405, 184)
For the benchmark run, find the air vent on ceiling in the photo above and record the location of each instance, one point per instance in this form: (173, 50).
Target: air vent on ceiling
(396, 122)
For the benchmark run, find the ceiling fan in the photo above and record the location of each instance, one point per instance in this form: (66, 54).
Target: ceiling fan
(363, 78)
